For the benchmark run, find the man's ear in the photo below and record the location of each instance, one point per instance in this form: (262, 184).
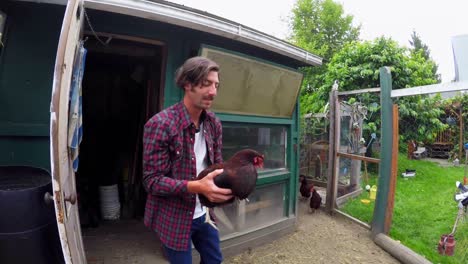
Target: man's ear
(187, 87)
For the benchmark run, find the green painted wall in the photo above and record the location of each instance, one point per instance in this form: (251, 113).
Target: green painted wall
(26, 73)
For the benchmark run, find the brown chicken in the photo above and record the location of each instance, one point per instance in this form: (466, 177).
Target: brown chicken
(239, 175)
(315, 200)
(305, 187)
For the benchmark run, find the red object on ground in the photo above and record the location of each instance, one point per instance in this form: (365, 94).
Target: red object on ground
(446, 245)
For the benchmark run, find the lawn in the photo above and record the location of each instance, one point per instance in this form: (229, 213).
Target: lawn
(424, 209)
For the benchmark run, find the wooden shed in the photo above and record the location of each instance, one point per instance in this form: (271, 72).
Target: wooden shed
(133, 48)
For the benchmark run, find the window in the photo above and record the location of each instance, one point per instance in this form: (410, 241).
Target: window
(250, 86)
(270, 140)
(265, 205)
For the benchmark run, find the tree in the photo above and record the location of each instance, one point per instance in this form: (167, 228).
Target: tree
(321, 27)
(419, 47)
(357, 66)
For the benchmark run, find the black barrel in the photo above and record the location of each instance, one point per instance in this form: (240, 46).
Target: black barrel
(28, 229)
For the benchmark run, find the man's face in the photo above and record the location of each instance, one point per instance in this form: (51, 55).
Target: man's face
(202, 95)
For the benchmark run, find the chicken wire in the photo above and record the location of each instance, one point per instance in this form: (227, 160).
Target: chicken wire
(359, 135)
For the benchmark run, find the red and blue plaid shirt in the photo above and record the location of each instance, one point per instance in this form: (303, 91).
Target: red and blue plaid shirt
(168, 164)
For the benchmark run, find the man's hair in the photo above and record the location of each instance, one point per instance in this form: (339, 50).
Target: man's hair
(194, 71)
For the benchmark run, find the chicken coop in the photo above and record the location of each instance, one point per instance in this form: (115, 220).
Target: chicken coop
(99, 70)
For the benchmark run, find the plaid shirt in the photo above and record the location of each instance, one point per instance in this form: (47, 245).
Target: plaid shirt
(168, 164)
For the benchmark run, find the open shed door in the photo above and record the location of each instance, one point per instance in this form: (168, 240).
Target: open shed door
(63, 176)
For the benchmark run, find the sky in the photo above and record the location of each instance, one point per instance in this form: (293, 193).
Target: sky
(436, 22)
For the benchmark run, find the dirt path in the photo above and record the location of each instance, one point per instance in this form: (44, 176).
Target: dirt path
(319, 238)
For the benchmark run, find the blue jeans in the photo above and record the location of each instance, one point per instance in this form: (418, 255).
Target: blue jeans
(205, 239)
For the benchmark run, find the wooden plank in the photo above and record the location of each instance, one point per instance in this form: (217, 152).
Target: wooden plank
(125, 37)
(399, 251)
(430, 89)
(386, 112)
(357, 157)
(393, 174)
(331, 189)
(460, 143)
(349, 217)
(361, 91)
(343, 199)
(336, 168)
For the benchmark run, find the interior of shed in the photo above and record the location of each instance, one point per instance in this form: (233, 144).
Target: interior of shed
(120, 91)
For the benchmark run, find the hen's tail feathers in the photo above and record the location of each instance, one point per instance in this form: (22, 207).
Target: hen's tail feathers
(208, 219)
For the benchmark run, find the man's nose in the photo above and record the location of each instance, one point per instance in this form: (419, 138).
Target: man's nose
(213, 90)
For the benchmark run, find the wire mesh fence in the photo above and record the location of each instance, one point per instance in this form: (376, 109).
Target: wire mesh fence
(359, 134)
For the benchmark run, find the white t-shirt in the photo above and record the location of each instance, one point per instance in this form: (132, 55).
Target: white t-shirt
(201, 161)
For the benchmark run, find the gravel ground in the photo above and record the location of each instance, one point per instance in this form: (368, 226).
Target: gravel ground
(319, 238)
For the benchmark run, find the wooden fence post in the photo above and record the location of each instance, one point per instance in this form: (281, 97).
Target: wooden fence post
(385, 168)
(333, 146)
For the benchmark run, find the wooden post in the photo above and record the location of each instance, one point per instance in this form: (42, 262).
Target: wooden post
(461, 146)
(332, 149)
(385, 168)
(394, 172)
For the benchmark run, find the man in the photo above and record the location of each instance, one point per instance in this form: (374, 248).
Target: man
(179, 143)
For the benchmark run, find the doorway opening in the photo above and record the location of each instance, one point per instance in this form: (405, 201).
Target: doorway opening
(121, 89)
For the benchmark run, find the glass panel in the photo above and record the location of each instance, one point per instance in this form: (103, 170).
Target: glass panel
(270, 140)
(265, 205)
(248, 86)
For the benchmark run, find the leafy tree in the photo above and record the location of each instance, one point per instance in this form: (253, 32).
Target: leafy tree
(419, 47)
(357, 66)
(321, 27)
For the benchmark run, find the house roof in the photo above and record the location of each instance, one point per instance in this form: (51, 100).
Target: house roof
(184, 16)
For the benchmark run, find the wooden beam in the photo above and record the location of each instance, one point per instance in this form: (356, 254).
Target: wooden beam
(369, 90)
(430, 89)
(333, 143)
(386, 112)
(393, 174)
(461, 145)
(357, 157)
(399, 251)
(349, 217)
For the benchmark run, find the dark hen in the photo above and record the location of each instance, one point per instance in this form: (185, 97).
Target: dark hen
(305, 187)
(315, 200)
(239, 175)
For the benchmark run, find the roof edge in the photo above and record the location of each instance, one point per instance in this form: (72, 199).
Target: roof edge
(192, 18)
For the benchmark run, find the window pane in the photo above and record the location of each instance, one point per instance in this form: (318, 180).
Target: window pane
(269, 140)
(248, 86)
(265, 205)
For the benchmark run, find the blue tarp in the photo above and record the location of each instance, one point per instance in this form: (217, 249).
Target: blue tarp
(75, 119)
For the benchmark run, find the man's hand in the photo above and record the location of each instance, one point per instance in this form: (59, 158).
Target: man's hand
(208, 188)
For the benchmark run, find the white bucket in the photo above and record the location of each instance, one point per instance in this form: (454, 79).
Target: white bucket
(110, 205)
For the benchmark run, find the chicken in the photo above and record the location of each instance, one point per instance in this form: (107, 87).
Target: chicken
(305, 187)
(315, 200)
(239, 175)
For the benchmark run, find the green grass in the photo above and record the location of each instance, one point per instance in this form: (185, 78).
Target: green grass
(424, 209)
